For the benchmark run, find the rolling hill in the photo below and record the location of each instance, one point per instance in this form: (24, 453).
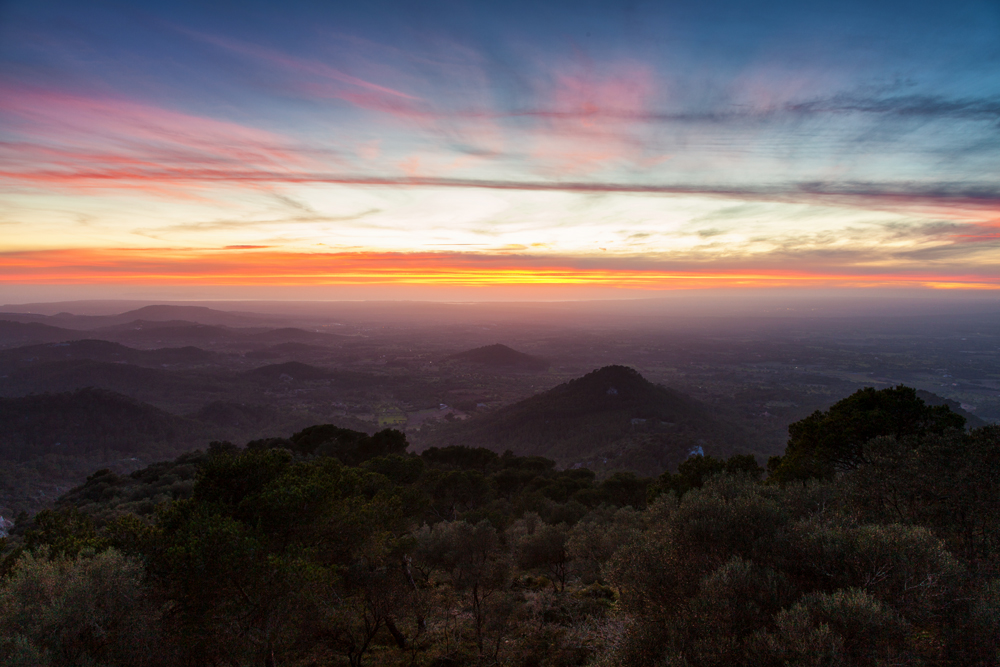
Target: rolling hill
(292, 370)
(101, 350)
(500, 356)
(153, 313)
(199, 314)
(173, 333)
(181, 332)
(172, 390)
(76, 423)
(17, 334)
(609, 418)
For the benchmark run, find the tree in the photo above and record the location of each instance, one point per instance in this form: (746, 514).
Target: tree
(454, 491)
(827, 442)
(625, 489)
(597, 536)
(64, 532)
(244, 562)
(949, 483)
(462, 458)
(696, 470)
(540, 545)
(375, 595)
(91, 610)
(727, 575)
(350, 447)
(475, 561)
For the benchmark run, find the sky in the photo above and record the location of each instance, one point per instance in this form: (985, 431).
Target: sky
(549, 149)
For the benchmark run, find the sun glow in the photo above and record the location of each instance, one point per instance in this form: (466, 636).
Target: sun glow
(242, 266)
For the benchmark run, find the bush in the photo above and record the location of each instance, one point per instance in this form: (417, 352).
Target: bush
(90, 610)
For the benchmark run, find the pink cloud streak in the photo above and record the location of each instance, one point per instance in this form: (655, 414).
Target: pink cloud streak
(301, 65)
(61, 135)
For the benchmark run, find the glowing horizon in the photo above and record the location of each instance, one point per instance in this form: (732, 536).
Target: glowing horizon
(298, 145)
(261, 266)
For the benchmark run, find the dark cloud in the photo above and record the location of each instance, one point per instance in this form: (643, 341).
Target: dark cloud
(921, 106)
(918, 106)
(852, 193)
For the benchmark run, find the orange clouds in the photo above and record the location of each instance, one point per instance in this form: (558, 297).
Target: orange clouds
(262, 266)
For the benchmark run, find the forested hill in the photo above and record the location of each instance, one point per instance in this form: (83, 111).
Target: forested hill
(79, 422)
(612, 412)
(337, 547)
(501, 356)
(50, 442)
(13, 334)
(102, 350)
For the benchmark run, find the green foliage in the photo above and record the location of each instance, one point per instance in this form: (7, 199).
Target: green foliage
(71, 612)
(825, 442)
(948, 482)
(350, 447)
(597, 536)
(477, 567)
(846, 627)
(243, 558)
(399, 469)
(287, 553)
(693, 472)
(452, 492)
(62, 533)
(106, 495)
(463, 458)
(77, 423)
(538, 545)
(625, 489)
(727, 575)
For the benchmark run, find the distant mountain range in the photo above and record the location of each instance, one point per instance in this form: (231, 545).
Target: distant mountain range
(500, 356)
(148, 333)
(610, 417)
(107, 351)
(157, 313)
(16, 334)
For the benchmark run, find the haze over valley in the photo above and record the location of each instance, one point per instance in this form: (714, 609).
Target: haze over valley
(456, 374)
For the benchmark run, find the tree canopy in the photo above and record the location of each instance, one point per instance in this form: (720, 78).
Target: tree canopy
(283, 553)
(827, 442)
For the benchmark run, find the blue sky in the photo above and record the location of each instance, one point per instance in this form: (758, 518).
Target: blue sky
(848, 144)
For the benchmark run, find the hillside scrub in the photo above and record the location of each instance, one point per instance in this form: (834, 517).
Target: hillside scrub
(337, 548)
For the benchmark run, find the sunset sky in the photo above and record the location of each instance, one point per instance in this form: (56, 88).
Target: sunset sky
(588, 147)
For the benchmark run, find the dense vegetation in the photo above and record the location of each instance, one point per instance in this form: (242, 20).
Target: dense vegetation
(335, 547)
(50, 442)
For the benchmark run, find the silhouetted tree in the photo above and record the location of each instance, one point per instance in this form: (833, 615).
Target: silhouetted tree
(826, 442)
